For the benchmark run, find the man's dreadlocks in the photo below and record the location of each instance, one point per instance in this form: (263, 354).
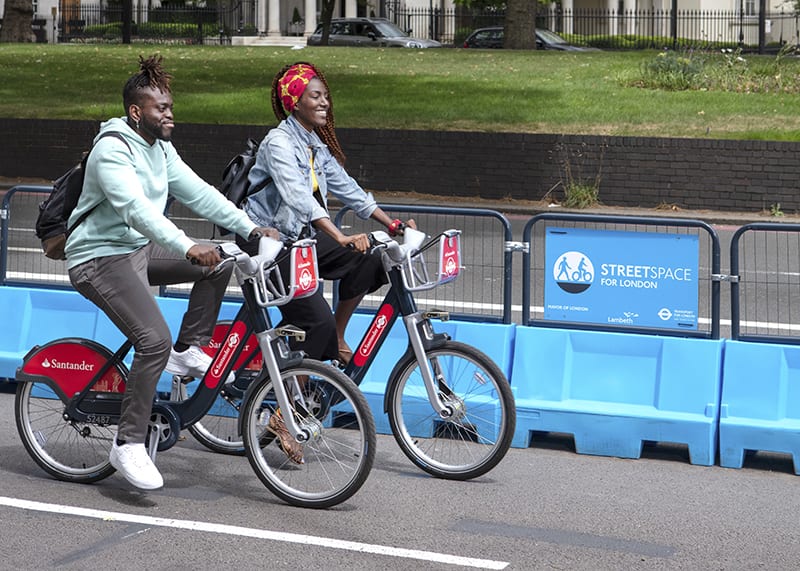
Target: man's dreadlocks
(327, 133)
(151, 75)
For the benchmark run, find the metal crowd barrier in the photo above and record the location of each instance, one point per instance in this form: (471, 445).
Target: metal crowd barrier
(765, 273)
(484, 289)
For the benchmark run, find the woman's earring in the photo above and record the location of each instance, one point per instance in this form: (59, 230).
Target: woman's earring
(137, 125)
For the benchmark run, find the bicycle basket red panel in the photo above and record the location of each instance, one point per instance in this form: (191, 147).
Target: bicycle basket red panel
(304, 271)
(71, 365)
(449, 258)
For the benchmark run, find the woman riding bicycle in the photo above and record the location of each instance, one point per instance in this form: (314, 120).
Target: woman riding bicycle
(303, 163)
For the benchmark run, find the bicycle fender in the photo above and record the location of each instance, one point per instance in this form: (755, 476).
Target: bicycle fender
(67, 365)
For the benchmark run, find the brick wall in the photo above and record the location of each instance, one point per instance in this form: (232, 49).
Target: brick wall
(635, 171)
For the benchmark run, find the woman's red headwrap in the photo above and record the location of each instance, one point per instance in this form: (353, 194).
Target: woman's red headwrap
(294, 83)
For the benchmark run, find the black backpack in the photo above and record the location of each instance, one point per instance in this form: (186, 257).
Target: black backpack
(54, 211)
(235, 185)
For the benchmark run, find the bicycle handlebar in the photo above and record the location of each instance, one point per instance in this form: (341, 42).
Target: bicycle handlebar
(398, 253)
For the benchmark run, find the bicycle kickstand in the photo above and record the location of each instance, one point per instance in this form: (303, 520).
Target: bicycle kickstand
(153, 439)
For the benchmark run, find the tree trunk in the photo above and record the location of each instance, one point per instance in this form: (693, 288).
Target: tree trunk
(325, 17)
(520, 26)
(17, 19)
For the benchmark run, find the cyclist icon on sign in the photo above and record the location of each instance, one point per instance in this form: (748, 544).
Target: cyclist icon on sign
(582, 274)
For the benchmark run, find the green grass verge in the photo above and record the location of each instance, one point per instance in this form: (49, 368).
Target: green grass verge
(442, 89)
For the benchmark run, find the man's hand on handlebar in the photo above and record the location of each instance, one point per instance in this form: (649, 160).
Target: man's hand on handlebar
(204, 255)
(264, 231)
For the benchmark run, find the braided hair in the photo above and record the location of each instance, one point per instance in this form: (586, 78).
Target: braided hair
(327, 133)
(151, 75)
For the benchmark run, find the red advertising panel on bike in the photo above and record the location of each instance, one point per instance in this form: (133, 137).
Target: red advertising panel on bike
(304, 271)
(225, 353)
(218, 337)
(377, 329)
(449, 257)
(71, 365)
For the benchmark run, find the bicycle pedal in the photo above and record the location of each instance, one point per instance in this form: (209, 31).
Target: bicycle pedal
(436, 314)
(292, 331)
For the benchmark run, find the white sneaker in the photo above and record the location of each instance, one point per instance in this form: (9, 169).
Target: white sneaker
(134, 463)
(191, 363)
(194, 362)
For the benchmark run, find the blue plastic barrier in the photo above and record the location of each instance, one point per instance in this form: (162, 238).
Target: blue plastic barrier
(613, 391)
(760, 406)
(494, 339)
(35, 316)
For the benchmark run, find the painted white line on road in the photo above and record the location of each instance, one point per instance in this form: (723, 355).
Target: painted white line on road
(256, 533)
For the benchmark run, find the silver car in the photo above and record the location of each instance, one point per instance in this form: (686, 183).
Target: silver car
(368, 32)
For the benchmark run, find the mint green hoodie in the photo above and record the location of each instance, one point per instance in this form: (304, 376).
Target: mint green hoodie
(130, 190)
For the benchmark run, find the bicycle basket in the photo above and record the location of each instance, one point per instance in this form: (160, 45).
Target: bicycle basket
(416, 276)
(303, 276)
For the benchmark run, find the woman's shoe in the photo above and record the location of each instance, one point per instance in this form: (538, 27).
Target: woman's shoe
(291, 447)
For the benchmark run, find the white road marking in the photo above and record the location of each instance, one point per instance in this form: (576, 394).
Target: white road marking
(256, 533)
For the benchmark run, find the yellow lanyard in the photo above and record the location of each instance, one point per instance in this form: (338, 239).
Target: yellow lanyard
(315, 182)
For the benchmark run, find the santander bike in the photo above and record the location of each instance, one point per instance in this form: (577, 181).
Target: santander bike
(449, 406)
(66, 416)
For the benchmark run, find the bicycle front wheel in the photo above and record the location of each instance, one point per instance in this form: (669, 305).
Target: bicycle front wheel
(339, 450)
(68, 450)
(482, 416)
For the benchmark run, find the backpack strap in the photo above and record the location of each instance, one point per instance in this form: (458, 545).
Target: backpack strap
(86, 214)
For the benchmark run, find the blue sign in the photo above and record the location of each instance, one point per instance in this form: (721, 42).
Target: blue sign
(634, 279)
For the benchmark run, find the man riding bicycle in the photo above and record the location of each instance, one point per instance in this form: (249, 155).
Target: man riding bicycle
(127, 244)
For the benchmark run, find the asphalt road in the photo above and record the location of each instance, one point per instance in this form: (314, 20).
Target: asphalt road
(543, 507)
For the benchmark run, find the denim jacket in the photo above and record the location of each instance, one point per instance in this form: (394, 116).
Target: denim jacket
(287, 203)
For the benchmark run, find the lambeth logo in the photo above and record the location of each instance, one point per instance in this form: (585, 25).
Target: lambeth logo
(573, 272)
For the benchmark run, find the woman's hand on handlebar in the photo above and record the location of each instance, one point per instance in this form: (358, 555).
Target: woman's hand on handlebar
(397, 226)
(358, 242)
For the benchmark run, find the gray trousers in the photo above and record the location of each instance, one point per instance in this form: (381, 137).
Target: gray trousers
(120, 287)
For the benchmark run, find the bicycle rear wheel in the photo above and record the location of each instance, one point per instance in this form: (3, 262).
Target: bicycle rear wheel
(340, 449)
(66, 449)
(479, 431)
(219, 428)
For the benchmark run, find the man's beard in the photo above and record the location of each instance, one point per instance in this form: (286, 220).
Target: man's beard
(156, 130)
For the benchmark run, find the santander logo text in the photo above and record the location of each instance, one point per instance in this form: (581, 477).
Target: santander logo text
(224, 357)
(65, 365)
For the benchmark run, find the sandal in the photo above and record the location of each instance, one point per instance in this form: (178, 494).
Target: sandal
(291, 447)
(345, 355)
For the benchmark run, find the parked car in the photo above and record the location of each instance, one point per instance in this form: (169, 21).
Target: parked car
(368, 32)
(545, 40)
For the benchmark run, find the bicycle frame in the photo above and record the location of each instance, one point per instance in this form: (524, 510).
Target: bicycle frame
(97, 397)
(399, 301)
